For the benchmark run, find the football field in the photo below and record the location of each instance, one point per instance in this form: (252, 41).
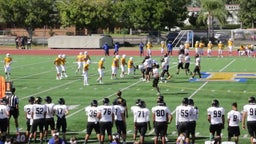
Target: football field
(228, 79)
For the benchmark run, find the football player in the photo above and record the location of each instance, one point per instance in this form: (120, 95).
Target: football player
(120, 120)
(49, 119)
(197, 66)
(187, 63)
(192, 121)
(234, 118)
(161, 117)
(28, 109)
(85, 72)
(216, 118)
(92, 120)
(183, 116)
(38, 115)
(130, 66)
(249, 115)
(57, 62)
(61, 111)
(101, 70)
(7, 66)
(114, 66)
(63, 66)
(79, 60)
(122, 65)
(133, 109)
(106, 117)
(180, 62)
(4, 117)
(141, 120)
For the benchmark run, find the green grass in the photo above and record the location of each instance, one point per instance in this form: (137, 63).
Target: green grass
(35, 76)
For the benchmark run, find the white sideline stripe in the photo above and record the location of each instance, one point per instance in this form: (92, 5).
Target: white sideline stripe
(103, 98)
(151, 132)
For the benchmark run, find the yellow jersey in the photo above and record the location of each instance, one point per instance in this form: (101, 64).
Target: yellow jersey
(115, 62)
(149, 46)
(79, 58)
(220, 46)
(7, 60)
(163, 45)
(100, 64)
(230, 43)
(58, 61)
(123, 62)
(210, 45)
(201, 45)
(242, 48)
(187, 45)
(86, 57)
(249, 47)
(196, 45)
(86, 67)
(63, 61)
(130, 64)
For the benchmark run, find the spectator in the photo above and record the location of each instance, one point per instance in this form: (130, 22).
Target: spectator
(106, 49)
(116, 47)
(56, 139)
(141, 48)
(29, 43)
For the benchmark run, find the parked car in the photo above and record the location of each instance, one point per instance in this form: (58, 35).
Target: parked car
(221, 36)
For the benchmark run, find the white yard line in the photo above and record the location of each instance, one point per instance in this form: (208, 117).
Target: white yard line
(103, 98)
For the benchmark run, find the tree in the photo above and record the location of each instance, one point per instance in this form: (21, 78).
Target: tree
(247, 12)
(28, 14)
(90, 14)
(212, 9)
(155, 15)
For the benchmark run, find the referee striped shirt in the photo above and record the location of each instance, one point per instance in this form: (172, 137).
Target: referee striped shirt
(13, 101)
